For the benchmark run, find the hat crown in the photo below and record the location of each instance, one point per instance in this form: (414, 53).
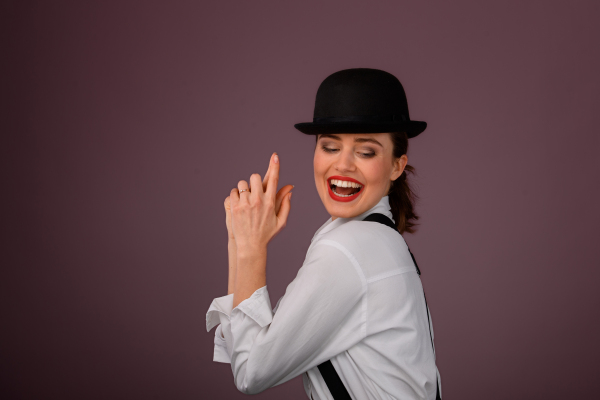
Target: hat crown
(360, 91)
(361, 100)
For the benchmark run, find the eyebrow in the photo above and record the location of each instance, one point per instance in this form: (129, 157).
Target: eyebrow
(356, 140)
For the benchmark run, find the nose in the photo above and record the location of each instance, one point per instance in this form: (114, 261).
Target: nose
(345, 162)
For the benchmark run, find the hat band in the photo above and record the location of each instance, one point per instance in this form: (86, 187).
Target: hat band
(363, 118)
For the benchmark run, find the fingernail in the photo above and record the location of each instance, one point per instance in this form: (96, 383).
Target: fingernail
(293, 186)
(276, 158)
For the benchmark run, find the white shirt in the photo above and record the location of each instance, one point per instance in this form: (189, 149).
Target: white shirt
(357, 300)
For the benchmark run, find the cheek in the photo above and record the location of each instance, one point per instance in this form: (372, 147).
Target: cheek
(376, 173)
(318, 165)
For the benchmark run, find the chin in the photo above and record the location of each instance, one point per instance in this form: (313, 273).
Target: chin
(343, 210)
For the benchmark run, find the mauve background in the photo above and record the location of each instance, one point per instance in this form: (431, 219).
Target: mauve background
(126, 124)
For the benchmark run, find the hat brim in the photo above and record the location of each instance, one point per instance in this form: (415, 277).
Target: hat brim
(412, 128)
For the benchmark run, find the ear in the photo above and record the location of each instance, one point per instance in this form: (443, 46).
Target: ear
(399, 165)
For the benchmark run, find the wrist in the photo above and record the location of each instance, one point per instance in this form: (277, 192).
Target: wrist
(249, 250)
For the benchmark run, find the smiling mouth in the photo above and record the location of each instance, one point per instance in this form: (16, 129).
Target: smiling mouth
(344, 188)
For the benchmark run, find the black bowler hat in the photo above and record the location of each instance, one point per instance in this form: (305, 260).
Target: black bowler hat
(361, 100)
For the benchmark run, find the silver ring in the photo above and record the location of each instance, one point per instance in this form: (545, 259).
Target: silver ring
(243, 190)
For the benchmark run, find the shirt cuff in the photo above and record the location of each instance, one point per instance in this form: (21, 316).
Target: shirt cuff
(219, 308)
(257, 307)
(220, 353)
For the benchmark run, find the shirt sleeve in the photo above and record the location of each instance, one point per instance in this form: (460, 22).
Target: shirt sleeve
(322, 313)
(218, 315)
(219, 311)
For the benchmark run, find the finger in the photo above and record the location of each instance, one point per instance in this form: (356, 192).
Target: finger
(266, 178)
(284, 212)
(273, 177)
(228, 213)
(243, 196)
(281, 195)
(256, 182)
(234, 196)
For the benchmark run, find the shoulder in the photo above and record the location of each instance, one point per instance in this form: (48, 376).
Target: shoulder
(362, 227)
(371, 246)
(341, 252)
(364, 236)
(331, 268)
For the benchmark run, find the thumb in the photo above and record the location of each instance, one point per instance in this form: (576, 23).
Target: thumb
(284, 211)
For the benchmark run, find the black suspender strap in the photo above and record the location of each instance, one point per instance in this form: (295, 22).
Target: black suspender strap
(437, 385)
(330, 376)
(333, 381)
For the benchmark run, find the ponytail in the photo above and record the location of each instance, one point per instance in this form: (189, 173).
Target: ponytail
(401, 195)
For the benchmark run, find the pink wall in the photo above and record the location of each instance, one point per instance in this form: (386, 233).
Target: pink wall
(127, 124)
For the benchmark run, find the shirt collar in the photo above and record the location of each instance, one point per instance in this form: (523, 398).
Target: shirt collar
(383, 207)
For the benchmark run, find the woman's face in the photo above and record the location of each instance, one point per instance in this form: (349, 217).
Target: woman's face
(353, 171)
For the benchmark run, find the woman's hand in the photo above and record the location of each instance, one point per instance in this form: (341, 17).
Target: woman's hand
(280, 195)
(258, 215)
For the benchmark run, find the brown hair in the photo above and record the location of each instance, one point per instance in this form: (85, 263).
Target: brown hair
(401, 195)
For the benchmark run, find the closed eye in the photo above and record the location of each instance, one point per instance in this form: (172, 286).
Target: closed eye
(330, 150)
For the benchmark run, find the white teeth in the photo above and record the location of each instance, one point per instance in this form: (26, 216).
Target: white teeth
(340, 183)
(343, 195)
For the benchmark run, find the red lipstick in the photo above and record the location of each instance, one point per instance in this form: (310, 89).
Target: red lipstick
(340, 198)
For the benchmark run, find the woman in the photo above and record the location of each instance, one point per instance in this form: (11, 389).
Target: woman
(354, 322)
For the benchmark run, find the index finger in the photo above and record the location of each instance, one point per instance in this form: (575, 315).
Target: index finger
(265, 182)
(273, 179)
